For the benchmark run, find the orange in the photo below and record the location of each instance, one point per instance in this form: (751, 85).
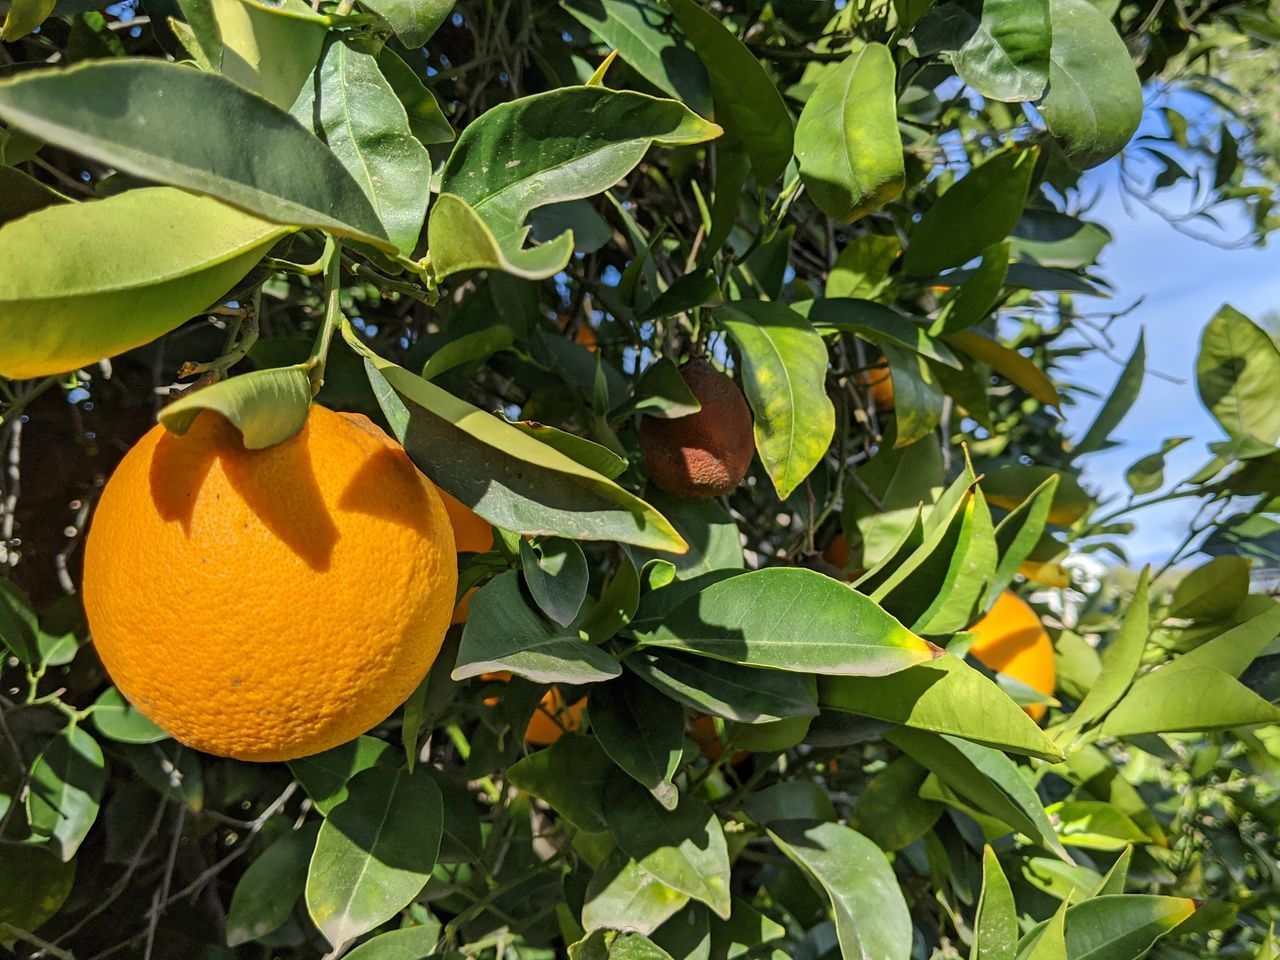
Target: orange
(704, 734)
(837, 552)
(879, 382)
(269, 604)
(471, 532)
(551, 720)
(1011, 640)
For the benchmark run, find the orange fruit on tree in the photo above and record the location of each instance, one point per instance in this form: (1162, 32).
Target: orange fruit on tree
(707, 453)
(1011, 640)
(879, 382)
(269, 604)
(471, 532)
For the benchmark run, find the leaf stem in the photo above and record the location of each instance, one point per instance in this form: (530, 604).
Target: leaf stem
(332, 260)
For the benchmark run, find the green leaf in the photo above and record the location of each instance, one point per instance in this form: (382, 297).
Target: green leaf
(847, 139)
(427, 121)
(324, 776)
(33, 886)
(727, 690)
(561, 145)
(977, 295)
(20, 195)
(19, 630)
(1114, 881)
(1146, 474)
(986, 778)
(1213, 591)
(1010, 364)
(714, 540)
(265, 896)
(871, 918)
(790, 800)
(746, 928)
(267, 48)
(642, 731)
(504, 633)
(1017, 536)
(136, 115)
(413, 21)
(23, 17)
(1011, 486)
(1053, 239)
(116, 719)
(1233, 651)
(572, 776)
(266, 406)
(468, 349)
(171, 768)
(917, 395)
(988, 200)
(784, 369)
(682, 848)
(117, 273)
(861, 269)
(64, 790)
(883, 501)
(556, 573)
(1051, 943)
(1191, 698)
(748, 104)
(878, 323)
(686, 936)
(1094, 825)
(1122, 927)
(1094, 101)
(924, 697)
(623, 894)
(751, 619)
(999, 48)
(640, 31)
(507, 477)
(995, 931)
(890, 809)
(661, 392)
(1236, 373)
(374, 853)
(1120, 660)
(1118, 403)
(586, 452)
(355, 110)
(407, 943)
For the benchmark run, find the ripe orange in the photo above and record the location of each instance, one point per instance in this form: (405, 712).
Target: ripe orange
(471, 532)
(706, 453)
(551, 720)
(269, 604)
(879, 382)
(1011, 640)
(703, 733)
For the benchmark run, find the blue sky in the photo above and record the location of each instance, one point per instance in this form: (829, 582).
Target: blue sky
(1184, 281)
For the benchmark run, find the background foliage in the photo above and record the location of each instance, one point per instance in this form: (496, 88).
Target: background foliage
(771, 763)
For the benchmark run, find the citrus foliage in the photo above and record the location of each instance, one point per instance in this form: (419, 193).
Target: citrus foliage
(755, 724)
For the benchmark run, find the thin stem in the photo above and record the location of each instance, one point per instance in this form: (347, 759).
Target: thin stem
(21, 402)
(332, 258)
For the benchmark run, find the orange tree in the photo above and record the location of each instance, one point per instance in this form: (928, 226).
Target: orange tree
(707, 366)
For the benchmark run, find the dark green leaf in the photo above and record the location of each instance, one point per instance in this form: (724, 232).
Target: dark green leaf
(1118, 403)
(324, 776)
(413, 21)
(999, 47)
(504, 633)
(642, 731)
(572, 776)
(64, 790)
(427, 121)
(265, 896)
(727, 690)
(116, 719)
(683, 848)
(988, 201)
(872, 922)
(135, 115)
(374, 852)
(555, 571)
(747, 103)
(1236, 374)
